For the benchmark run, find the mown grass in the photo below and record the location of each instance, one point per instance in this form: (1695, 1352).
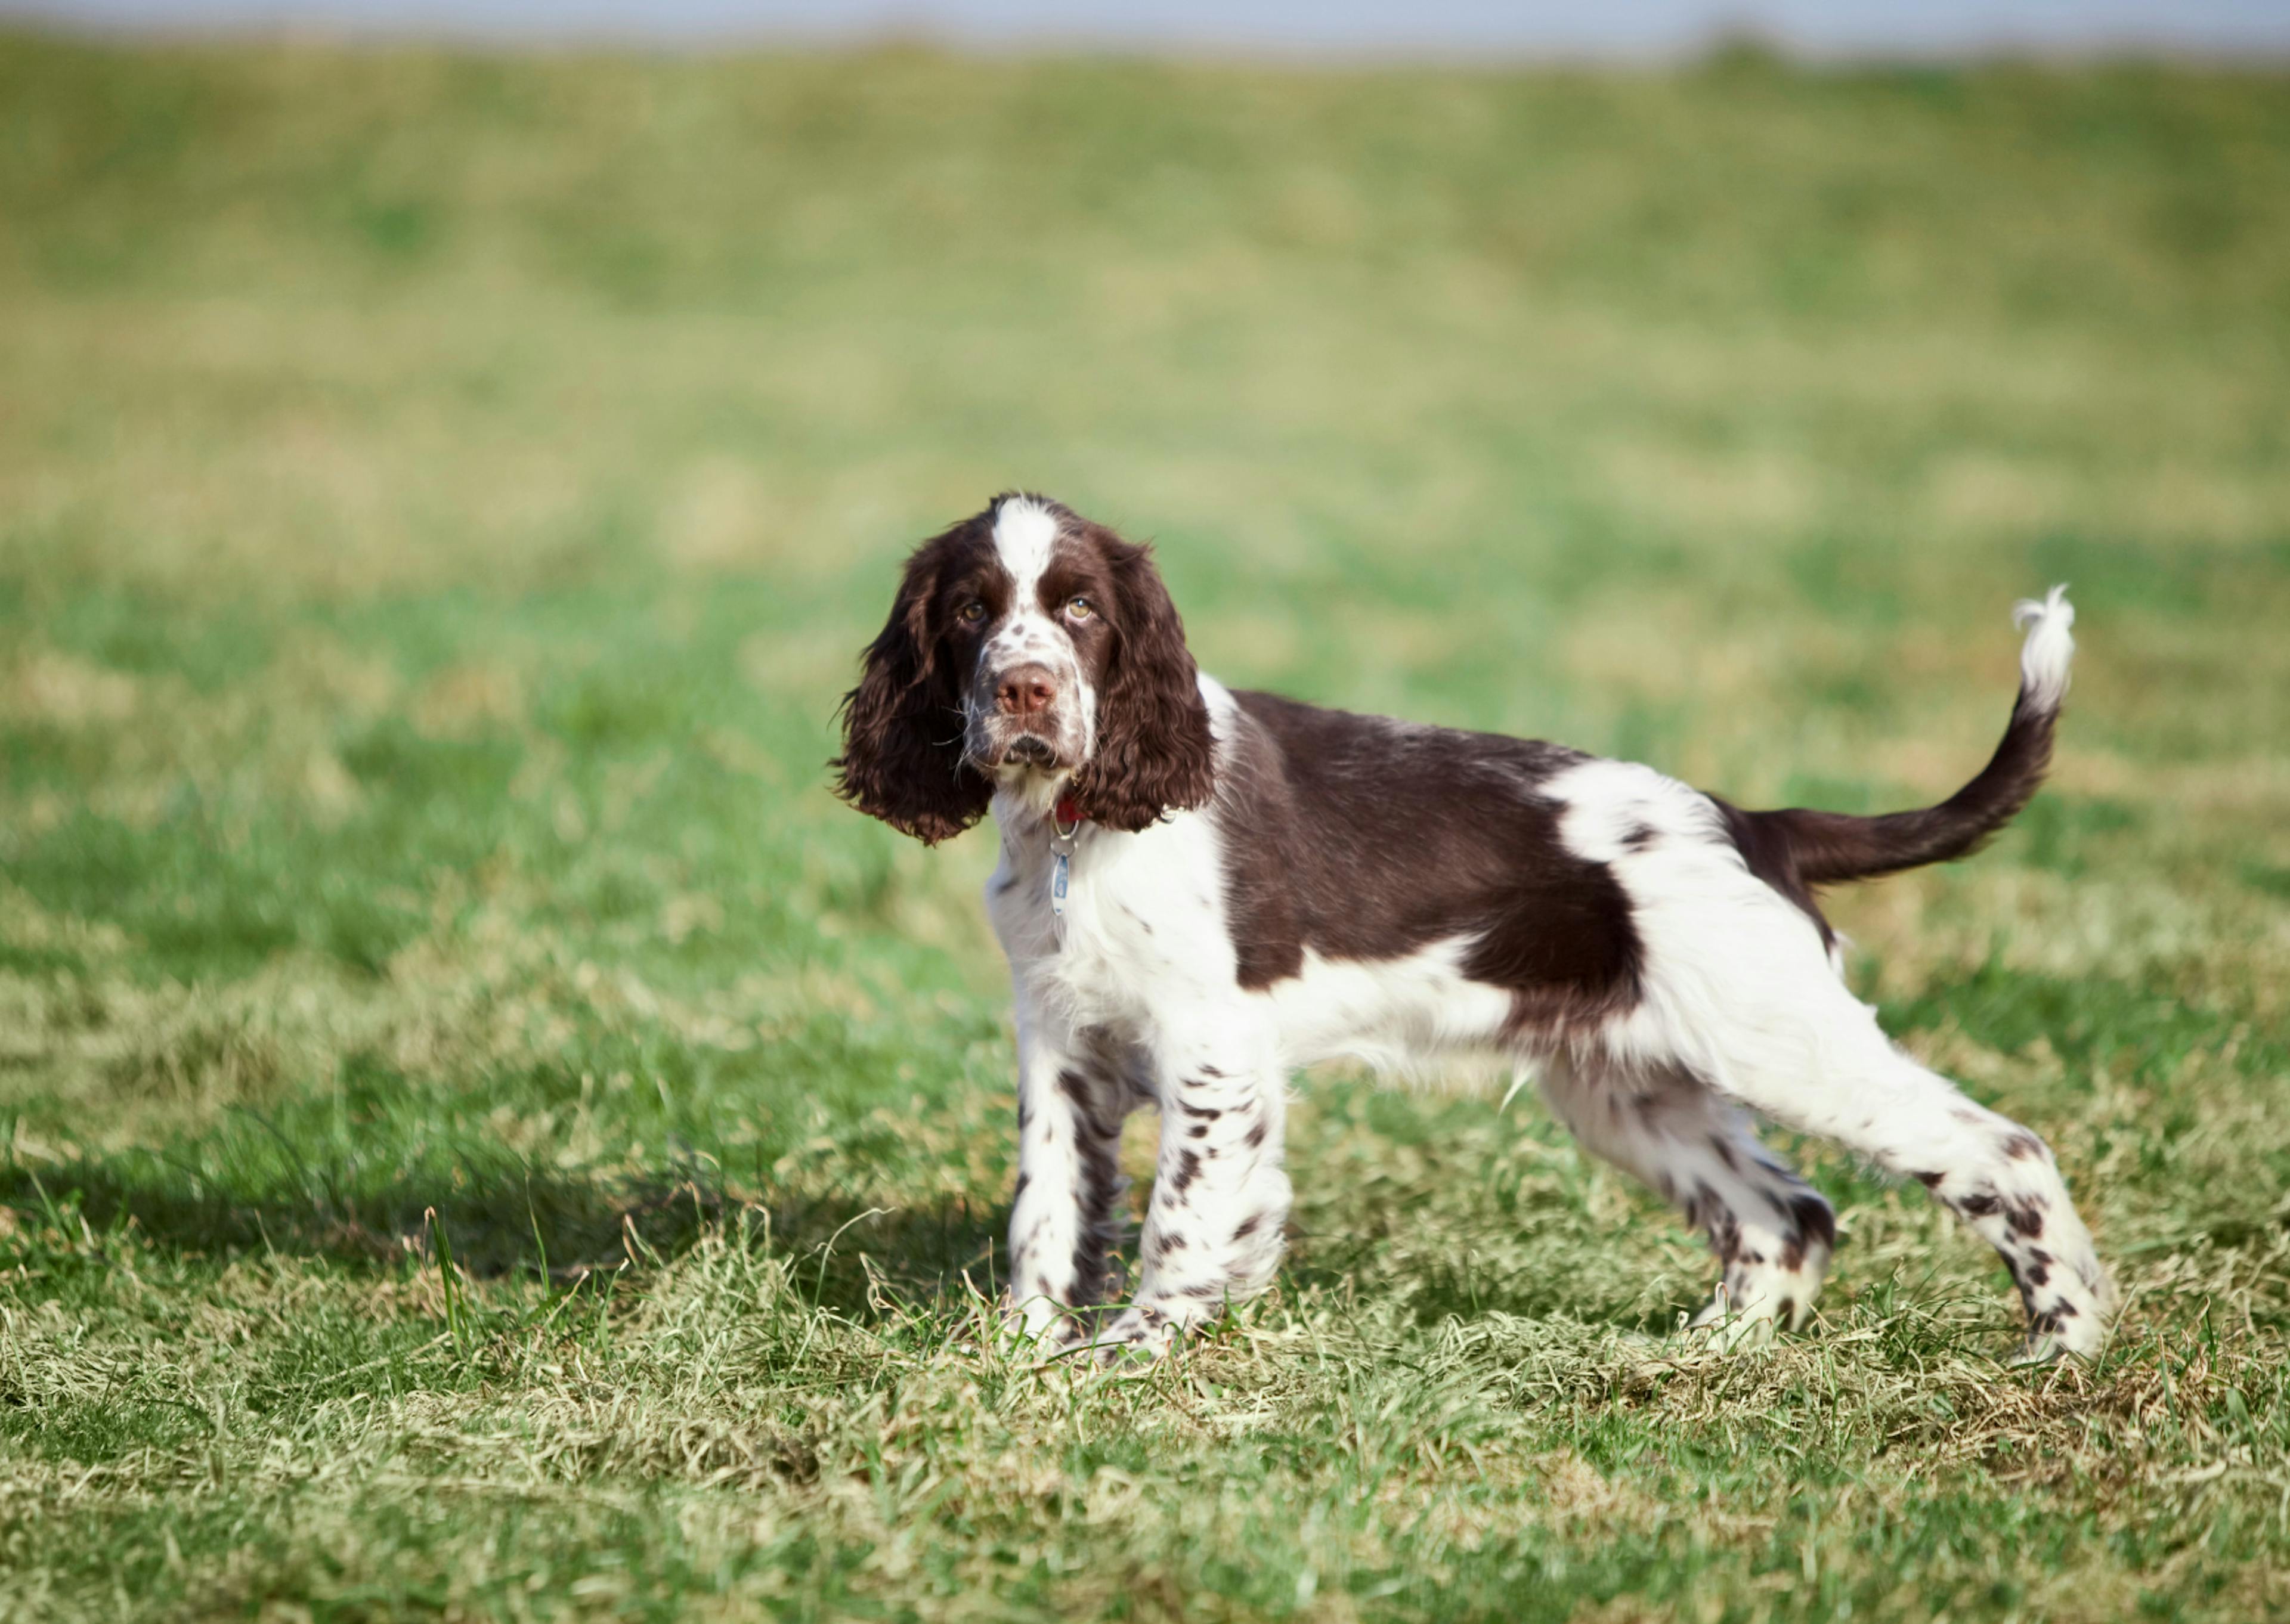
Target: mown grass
(441, 497)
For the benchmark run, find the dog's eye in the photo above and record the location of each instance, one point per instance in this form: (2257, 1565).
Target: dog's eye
(971, 613)
(1080, 608)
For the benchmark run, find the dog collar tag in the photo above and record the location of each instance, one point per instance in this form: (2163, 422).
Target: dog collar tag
(1065, 829)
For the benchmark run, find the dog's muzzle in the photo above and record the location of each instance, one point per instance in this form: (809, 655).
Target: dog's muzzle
(1022, 716)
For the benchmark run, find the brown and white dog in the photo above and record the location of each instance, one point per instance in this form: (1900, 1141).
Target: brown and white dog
(1201, 891)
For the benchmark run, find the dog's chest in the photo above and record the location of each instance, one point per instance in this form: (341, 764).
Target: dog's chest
(1140, 914)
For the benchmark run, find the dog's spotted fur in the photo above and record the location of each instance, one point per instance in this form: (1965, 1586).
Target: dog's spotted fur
(1256, 883)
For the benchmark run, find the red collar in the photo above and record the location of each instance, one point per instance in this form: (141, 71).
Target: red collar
(1068, 811)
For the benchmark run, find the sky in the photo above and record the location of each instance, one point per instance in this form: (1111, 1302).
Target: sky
(1428, 29)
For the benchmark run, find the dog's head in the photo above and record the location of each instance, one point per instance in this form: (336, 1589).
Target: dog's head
(1033, 652)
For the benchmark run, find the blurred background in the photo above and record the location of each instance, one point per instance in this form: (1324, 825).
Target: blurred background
(451, 456)
(1280, 28)
(443, 484)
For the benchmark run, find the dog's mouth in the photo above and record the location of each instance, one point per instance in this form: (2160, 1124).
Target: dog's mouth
(1007, 745)
(1029, 750)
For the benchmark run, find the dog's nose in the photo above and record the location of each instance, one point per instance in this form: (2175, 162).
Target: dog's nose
(1023, 690)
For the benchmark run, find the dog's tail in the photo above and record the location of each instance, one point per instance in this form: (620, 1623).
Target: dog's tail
(1821, 848)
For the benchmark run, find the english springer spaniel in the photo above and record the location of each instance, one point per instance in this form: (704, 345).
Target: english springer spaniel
(1201, 891)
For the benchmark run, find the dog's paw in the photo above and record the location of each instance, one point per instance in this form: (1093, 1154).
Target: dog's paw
(1035, 1331)
(1135, 1338)
(1721, 1328)
(2037, 1350)
(2053, 1336)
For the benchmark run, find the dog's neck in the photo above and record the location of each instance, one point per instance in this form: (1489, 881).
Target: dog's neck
(1034, 806)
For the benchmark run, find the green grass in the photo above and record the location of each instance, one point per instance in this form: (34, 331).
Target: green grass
(441, 499)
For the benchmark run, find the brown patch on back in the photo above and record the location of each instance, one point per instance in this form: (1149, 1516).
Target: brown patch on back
(1366, 839)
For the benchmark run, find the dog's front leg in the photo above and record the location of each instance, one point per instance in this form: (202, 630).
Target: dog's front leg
(1066, 1214)
(1213, 1230)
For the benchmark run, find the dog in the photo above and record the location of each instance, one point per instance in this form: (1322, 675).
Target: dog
(1201, 891)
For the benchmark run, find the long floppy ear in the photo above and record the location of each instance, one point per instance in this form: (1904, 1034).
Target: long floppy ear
(1154, 750)
(902, 759)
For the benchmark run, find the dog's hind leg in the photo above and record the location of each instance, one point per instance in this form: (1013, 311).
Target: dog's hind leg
(1846, 1081)
(1737, 988)
(1772, 1233)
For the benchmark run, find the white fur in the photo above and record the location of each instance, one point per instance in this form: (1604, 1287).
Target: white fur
(1025, 540)
(1146, 967)
(1740, 992)
(2045, 656)
(1025, 534)
(1394, 1014)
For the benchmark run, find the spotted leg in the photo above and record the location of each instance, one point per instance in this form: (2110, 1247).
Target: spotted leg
(1819, 1062)
(1772, 1233)
(1066, 1218)
(2001, 1179)
(1221, 1194)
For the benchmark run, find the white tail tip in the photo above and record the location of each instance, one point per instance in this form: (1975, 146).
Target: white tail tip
(2045, 656)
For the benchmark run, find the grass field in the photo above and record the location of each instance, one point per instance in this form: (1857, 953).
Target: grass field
(490, 1137)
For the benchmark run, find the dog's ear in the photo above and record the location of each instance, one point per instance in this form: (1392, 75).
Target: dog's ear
(903, 726)
(1153, 749)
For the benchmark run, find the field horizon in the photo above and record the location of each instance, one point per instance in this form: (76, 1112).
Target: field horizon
(491, 1137)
